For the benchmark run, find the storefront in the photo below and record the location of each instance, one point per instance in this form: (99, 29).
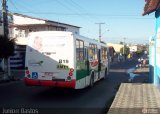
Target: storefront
(150, 7)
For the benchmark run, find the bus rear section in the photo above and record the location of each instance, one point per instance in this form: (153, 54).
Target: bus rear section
(49, 59)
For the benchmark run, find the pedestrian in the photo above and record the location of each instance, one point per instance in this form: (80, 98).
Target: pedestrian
(140, 62)
(129, 56)
(120, 57)
(144, 63)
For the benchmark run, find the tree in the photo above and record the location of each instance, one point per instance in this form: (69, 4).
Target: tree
(6, 47)
(121, 43)
(125, 49)
(6, 50)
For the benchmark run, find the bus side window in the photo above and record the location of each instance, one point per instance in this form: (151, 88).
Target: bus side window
(90, 52)
(79, 50)
(93, 52)
(104, 53)
(85, 53)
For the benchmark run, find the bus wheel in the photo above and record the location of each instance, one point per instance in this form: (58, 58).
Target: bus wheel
(92, 80)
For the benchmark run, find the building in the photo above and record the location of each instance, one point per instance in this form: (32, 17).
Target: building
(23, 25)
(150, 7)
(133, 48)
(116, 47)
(19, 28)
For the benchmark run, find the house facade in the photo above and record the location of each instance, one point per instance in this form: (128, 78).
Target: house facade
(116, 47)
(20, 28)
(150, 7)
(133, 48)
(23, 25)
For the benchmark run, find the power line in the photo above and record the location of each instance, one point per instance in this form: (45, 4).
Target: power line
(61, 13)
(78, 14)
(61, 3)
(82, 8)
(19, 9)
(84, 14)
(78, 9)
(14, 5)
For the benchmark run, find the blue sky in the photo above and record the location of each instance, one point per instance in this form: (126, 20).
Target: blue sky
(122, 18)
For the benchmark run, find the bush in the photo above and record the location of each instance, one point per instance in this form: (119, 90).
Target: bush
(126, 50)
(6, 47)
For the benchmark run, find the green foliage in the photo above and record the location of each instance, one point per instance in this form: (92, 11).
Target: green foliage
(121, 43)
(126, 50)
(139, 51)
(6, 47)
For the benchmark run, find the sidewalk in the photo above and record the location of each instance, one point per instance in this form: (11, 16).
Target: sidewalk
(15, 76)
(3, 77)
(138, 97)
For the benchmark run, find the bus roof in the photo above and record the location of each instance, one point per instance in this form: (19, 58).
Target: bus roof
(61, 33)
(90, 40)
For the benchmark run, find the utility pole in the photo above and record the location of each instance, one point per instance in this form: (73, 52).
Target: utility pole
(6, 34)
(124, 45)
(124, 54)
(5, 18)
(99, 30)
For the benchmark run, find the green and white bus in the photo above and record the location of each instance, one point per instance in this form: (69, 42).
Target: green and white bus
(64, 59)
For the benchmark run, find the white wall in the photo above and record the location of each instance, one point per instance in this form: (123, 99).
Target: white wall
(116, 47)
(133, 48)
(25, 20)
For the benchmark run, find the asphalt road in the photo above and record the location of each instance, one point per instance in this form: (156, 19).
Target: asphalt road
(16, 95)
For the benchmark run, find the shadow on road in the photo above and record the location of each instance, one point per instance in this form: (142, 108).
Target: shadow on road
(60, 93)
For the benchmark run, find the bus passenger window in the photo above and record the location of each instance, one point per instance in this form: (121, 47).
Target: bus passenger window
(93, 52)
(79, 50)
(81, 53)
(104, 53)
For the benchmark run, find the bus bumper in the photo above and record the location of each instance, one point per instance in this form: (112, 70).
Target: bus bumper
(65, 84)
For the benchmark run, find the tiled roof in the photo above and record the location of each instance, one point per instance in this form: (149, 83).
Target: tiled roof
(151, 6)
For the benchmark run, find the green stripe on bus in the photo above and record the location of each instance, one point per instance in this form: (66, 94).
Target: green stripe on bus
(81, 74)
(82, 70)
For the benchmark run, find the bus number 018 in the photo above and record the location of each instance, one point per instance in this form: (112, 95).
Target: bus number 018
(63, 61)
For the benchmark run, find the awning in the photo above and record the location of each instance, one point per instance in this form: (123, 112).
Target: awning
(151, 6)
